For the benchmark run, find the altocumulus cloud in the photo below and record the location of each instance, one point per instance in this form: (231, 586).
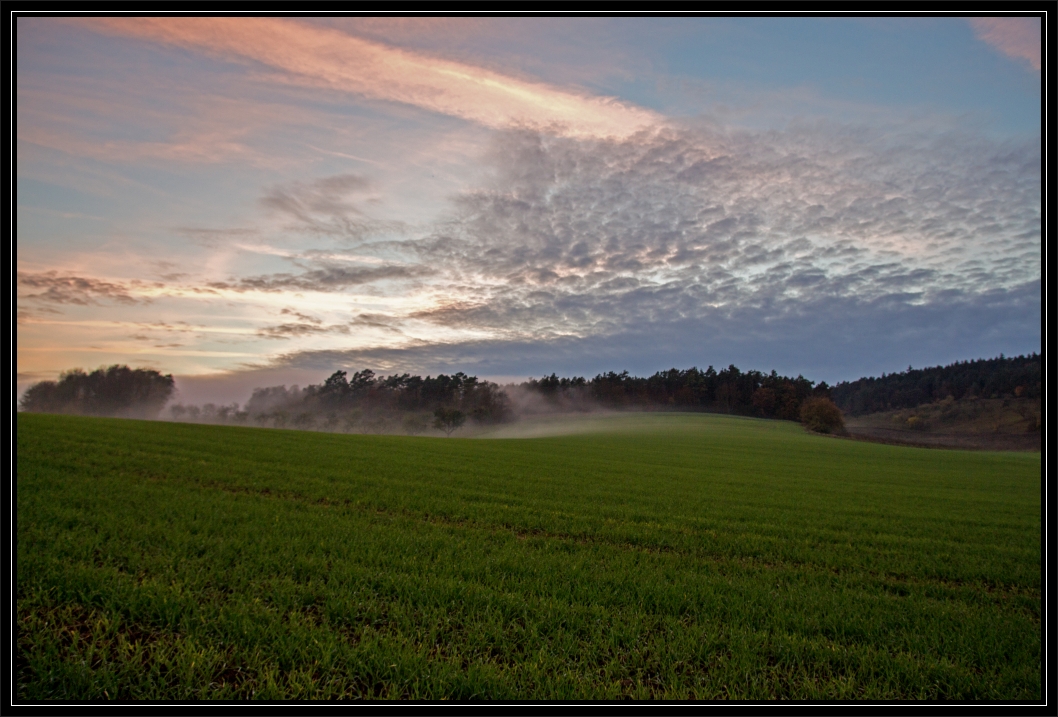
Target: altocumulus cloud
(822, 246)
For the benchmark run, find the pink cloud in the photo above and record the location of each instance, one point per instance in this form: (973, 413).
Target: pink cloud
(207, 147)
(322, 57)
(1017, 37)
(205, 128)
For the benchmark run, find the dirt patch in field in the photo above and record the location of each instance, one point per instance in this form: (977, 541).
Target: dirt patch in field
(968, 441)
(973, 424)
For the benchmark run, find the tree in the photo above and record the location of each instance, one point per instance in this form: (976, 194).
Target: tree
(822, 416)
(764, 399)
(415, 423)
(304, 421)
(448, 420)
(113, 391)
(336, 385)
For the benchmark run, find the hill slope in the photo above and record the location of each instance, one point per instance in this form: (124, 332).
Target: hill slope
(997, 424)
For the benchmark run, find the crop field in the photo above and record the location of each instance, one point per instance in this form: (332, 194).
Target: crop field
(648, 556)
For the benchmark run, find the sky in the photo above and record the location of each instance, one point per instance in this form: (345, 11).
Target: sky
(246, 202)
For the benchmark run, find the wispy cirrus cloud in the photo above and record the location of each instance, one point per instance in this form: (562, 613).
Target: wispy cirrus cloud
(321, 57)
(186, 129)
(1016, 37)
(208, 147)
(118, 120)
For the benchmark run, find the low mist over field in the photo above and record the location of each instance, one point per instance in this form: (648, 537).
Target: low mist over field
(994, 403)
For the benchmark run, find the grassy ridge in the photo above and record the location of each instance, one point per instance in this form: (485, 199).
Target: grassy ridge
(674, 556)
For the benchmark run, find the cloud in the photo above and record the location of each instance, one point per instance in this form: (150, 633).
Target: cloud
(788, 249)
(819, 247)
(305, 325)
(24, 314)
(377, 321)
(24, 377)
(304, 318)
(114, 117)
(56, 288)
(586, 237)
(821, 339)
(1016, 37)
(330, 278)
(304, 54)
(299, 330)
(177, 326)
(205, 147)
(325, 206)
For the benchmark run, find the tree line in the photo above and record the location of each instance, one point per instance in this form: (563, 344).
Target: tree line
(730, 390)
(482, 401)
(1003, 377)
(365, 402)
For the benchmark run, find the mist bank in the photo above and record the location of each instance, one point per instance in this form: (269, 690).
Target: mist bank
(402, 403)
(366, 403)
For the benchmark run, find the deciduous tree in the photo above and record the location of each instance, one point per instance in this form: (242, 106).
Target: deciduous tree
(448, 420)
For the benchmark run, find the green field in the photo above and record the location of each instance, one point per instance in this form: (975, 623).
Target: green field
(666, 556)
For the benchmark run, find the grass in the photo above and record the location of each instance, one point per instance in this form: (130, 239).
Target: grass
(661, 556)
